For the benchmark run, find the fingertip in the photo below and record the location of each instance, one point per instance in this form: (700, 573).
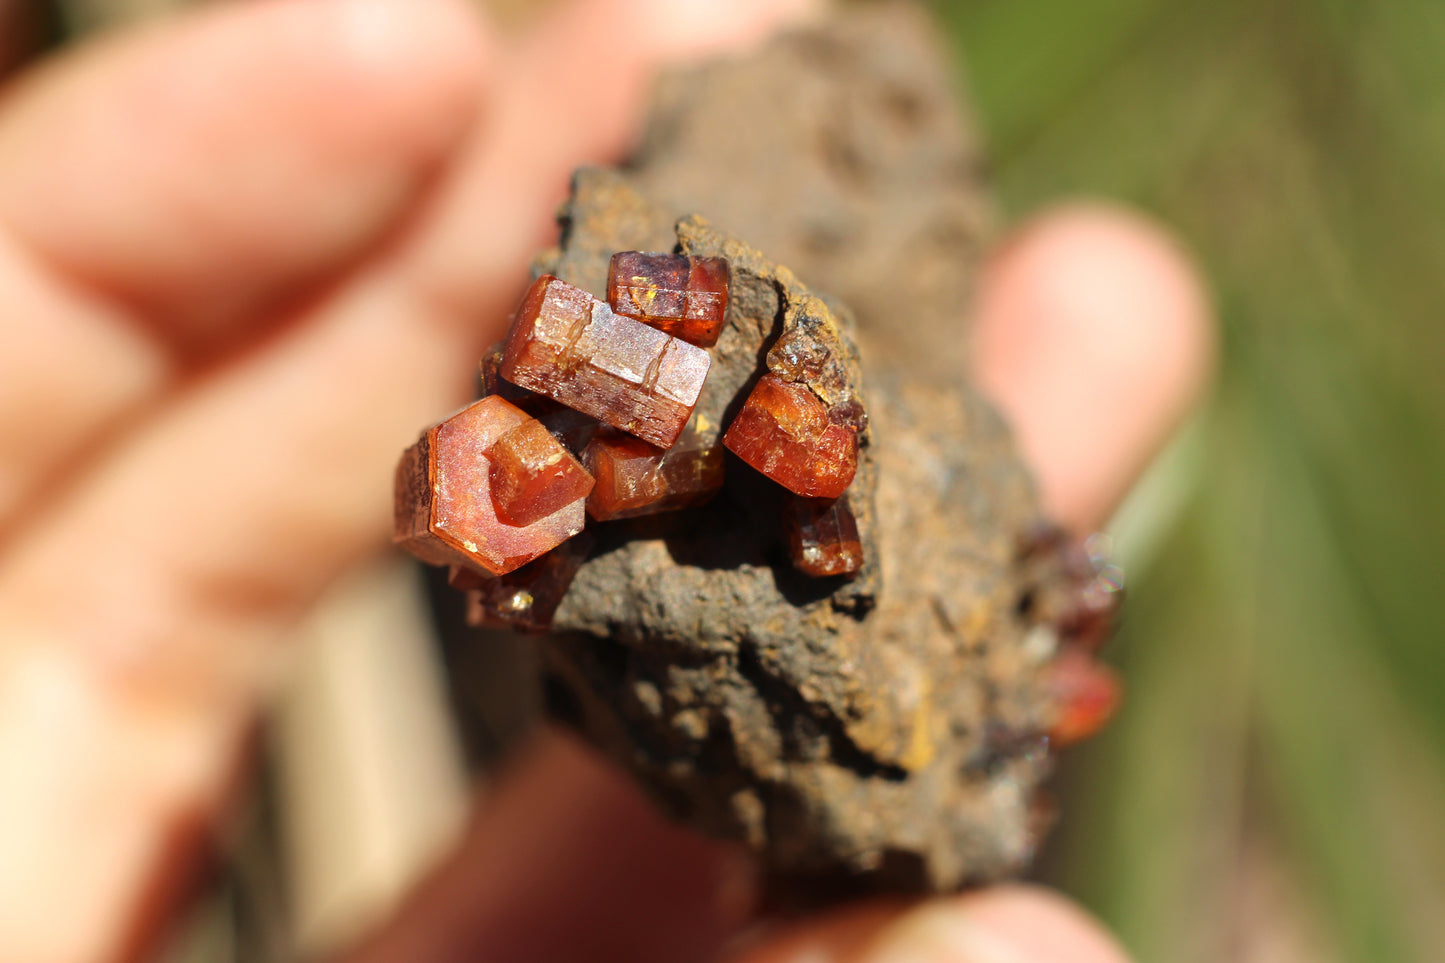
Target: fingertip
(247, 148)
(568, 861)
(1005, 924)
(1094, 335)
(1040, 925)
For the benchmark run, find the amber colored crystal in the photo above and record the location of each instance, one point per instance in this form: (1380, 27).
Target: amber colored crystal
(823, 535)
(785, 432)
(528, 598)
(533, 475)
(490, 369)
(686, 297)
(465, 579)
(1086, 693)
(635, 478)
(569, 346)
(444, 511)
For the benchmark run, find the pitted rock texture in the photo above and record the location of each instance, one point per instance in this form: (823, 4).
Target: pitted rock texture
(864, 734)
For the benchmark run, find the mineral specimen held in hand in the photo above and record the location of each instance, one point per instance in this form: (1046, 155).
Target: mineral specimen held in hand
(444, 511)
(686, 297)
(883, 731)
(533, 475)
(785, 432)
(527, 598)
(571, 347)
(823, 536)
(635, 478)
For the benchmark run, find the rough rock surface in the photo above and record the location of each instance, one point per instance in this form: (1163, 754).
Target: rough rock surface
(879, 733)
(865, 733)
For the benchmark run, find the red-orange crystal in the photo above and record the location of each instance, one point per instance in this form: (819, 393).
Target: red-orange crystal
(1086, 693)
(686, 297)
(635, 478)
(571, 347)
(528, 598)
(533, 475)
(823, 535)
(490, 369)
(785, 432)
(444, 509)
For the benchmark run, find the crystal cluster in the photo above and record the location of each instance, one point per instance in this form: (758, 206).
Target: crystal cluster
(587, 411)
(572, 348)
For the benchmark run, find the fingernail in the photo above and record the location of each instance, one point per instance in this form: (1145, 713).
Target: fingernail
(941, 933)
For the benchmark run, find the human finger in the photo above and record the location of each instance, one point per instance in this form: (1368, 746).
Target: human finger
(571, 92)
(1094, 335)
(1004, 924)
(162, 668)
(161, 187)
(569, 862)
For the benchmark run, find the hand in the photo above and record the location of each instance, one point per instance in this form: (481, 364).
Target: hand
(244, 256)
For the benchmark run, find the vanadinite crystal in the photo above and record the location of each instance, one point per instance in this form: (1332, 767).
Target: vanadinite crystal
(445, 513)
(1086, 692)
(568, 425)
(533, 475)
(686, 297)
(528, 598)
(785, 432)
(823, 535)
(571, 347)
(635, 478)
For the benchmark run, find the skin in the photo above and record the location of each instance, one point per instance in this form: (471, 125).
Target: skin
(212, 353)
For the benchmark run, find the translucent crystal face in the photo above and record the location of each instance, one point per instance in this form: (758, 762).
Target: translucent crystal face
(784, 431)
(823, 535)
(533, 475)
(572, 348)
(462, 513)
(686, 297)
(635, 478)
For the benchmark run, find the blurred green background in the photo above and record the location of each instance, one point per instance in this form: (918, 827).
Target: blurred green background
(1275, 787)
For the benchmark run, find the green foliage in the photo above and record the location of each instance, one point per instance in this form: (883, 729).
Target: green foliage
(1284, 652)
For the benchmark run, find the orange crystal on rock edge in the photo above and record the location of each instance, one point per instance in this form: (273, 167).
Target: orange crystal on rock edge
(1086, 693)
(681, 295)
(823, 536)
(785, 432)
(528, 598)
(635, 478)
(569, 346)
(533, 475)
(444, 512)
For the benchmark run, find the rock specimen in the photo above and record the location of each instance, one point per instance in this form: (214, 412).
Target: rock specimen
(858, 733)
(572, 348)
(686, 297)
(885, 729)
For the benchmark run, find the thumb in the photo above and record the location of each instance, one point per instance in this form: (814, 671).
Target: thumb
(1009, 924)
